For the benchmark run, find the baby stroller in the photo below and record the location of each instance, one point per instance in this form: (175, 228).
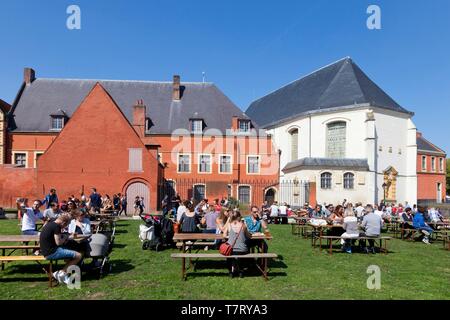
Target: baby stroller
(99, 249)
(150, 233)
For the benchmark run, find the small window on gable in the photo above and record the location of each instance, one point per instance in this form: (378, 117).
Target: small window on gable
(197, 125)
(244, 125)
(57, 123)
(57, 120)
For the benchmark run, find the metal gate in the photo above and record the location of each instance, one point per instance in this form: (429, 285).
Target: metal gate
(137, 189)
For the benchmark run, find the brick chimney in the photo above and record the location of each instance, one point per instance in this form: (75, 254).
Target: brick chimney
(234, 123)
(176, 91)
(139, 117)
(28, 76)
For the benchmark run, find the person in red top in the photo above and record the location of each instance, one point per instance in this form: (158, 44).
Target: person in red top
(217, 206)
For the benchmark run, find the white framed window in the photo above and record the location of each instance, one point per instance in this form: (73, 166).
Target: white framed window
(441, 164)
(229, 191)
(349, 180)
(433, 164)
(184, 163)
(253, 164)
(244, 194)
(204, 163)
(424, 163)
(325, 180)
(244, 125)
(37, 154)
(199, 191)
(196, 125)
(336, 139)
(225, 163)
(135, 160)
(20, 158)
(57, 123)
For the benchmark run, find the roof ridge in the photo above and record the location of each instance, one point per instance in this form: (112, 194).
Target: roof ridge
(302, 77)
(118, 80)
(331, 82)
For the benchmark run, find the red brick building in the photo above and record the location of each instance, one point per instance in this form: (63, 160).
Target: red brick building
(135, 137)
(431, 169)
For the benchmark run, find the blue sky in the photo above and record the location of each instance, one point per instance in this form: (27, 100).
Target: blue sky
(248, 48)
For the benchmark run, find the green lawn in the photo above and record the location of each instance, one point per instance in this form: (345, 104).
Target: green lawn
(410, 271)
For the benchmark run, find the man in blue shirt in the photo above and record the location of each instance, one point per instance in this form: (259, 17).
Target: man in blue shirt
(419, 224)
(96, 200)
(51, 197)
(255, 224)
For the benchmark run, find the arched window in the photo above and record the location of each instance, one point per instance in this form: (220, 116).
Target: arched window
(349, 180)
(294, 144)
(325, 180)
(336, 139)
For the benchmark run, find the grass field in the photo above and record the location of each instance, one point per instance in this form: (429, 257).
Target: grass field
(410, 271)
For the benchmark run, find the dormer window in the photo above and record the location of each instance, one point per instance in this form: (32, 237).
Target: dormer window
(58, 120)
(148, 124)
(197, 125)
(244, 125)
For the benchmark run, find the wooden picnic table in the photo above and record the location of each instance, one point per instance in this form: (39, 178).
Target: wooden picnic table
(318, 229)
(19, 238)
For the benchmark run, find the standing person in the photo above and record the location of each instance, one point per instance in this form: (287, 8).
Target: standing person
(51, 241)
(116, 202)
(283, 213)
(136, 205)
(238, 238)
(29, 216)
(141, 205)
(371, 224)
(51, 197)
(420, 224)
(274, 211)
(181, 209)
(123, 205)
(95, 200)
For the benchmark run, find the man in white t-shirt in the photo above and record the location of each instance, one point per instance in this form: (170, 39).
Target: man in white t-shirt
(274, 211)
(377, 211)
(30, 216)
(283, 213)
(359, 210)
(52, 212)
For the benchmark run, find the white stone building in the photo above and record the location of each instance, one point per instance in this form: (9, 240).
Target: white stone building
(337, 128)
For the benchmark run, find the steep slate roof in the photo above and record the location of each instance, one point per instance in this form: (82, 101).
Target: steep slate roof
(327, 163)
(341, 84)
(44, 97)
(5, 107)
(426, 146)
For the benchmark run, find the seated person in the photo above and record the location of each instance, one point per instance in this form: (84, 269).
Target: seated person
(255, 224)
(189, 220)
(371, 225)
(80, 224)
(420, 224)
(407, 221)
(29, 216)
(238, 238)
(317, 212)
(108, 205)
(51, 242)
(52, 212)
(209, 219)
(351, 231)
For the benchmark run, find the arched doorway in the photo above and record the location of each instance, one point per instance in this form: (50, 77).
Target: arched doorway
(137, 189)
(270, 196)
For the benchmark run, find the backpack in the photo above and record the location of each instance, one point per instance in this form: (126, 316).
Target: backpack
(167, 231)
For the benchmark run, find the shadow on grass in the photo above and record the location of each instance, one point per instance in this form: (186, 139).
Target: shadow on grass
(118, 231)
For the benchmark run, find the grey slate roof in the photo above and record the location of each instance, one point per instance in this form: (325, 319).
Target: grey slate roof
(340, 84)
(199, 100)
(426, 146)
(326, 163)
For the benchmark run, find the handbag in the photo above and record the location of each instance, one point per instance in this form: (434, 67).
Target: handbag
(226, 249)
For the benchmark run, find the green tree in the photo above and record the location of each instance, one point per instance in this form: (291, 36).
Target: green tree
(448, 176)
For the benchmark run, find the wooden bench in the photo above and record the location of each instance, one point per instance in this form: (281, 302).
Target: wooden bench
(36, 259)
(14, 248)
(263, 256)
(330, 240)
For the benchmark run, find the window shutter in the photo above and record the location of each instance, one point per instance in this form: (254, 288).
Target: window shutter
(134, 160)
